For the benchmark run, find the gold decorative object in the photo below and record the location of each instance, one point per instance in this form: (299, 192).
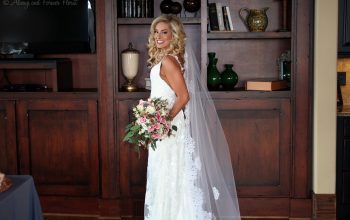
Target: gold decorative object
(255, 20)
(130, 64)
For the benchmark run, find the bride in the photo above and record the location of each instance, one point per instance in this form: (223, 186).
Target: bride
(189, 175)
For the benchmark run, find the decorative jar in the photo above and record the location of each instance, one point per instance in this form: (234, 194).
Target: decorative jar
(213, 74)
(165, 6)
(130, 64)
(229, 77)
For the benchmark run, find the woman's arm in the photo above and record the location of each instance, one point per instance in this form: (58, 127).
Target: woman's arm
(170, 71)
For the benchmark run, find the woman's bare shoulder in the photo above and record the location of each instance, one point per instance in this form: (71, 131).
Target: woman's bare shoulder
(171, 61)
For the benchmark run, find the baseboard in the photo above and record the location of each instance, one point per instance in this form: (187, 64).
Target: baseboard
(54, 216)
(324, 206)
(57, 216)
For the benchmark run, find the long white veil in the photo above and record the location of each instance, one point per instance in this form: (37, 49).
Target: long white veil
(216, 180)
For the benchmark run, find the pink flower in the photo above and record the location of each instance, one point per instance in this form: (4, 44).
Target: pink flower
(156, 136)
(142, 120)
(163, 121)
(157, 126)
(150, 129)
(166, 131)
(158, 116)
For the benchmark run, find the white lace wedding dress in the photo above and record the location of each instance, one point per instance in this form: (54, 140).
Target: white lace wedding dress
(171, 192)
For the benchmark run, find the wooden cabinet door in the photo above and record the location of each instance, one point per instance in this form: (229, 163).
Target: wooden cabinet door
(58, 144)
(258, 134)
(8, 146)
(344, 29)
(133, 169)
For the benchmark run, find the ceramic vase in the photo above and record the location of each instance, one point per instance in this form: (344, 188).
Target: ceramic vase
(165, 6)
(229, 77)
(192, 5)
(130, 64)
(175, 8)
(213, 74)
(256, 20)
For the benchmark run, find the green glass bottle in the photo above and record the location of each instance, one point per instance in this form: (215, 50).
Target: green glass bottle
(213, 74)
(229, 78)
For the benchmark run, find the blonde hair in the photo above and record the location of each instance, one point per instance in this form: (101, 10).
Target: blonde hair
(177, 45)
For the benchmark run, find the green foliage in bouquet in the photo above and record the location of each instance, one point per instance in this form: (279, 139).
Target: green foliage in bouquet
(151, 123)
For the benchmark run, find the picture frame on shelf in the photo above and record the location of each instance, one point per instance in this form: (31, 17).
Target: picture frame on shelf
(284, 66)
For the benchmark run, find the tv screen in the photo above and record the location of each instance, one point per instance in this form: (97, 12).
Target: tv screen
(47, 26)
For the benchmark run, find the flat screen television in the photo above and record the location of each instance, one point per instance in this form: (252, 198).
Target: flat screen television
(47, 26)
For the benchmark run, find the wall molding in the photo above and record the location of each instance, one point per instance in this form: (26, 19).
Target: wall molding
(324, 206)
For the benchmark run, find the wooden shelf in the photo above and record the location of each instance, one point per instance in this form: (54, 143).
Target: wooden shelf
(217, 35)
(242, 94)
(148, 21)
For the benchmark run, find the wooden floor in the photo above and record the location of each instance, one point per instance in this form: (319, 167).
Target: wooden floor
(81, 217)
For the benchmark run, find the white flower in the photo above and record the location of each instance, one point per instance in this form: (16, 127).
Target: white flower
(216, 193)
(143, 127)
(139, 108)
(150, 109)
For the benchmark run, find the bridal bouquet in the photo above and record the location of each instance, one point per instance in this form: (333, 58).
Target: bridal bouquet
(152, 123)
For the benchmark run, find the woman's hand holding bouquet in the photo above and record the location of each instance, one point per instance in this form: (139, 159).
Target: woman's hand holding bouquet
(152, 123)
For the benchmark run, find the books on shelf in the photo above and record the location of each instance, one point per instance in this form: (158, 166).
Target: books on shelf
(219, 17)
(135, 8)
(213, 17)
(229, 18)
(266, 84)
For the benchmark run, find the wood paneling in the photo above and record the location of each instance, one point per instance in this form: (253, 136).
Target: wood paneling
(8, 147)
(302, 97)
(324, 207)
(70, 205)
(57, 72)
(132, 168)
(84, 68)
(259, 131)
(59, 145)
(106, 44)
